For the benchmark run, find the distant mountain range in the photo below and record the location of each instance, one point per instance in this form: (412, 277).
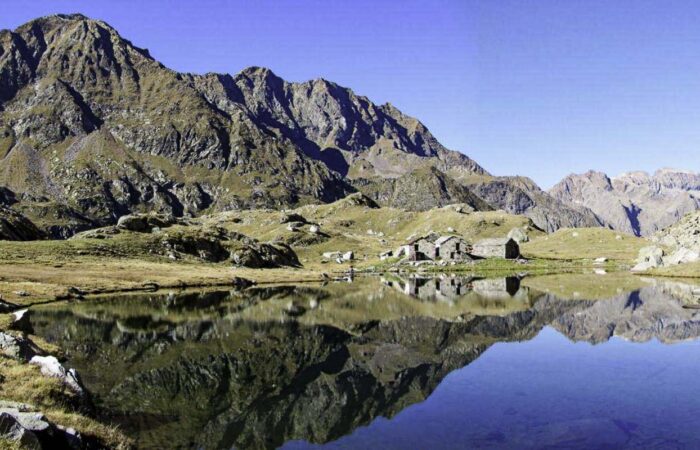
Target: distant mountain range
(92, 128)
(634, 202)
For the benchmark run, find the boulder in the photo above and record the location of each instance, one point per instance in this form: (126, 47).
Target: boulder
(348, 256)
(258, 256)
(16, 347)
(295, 226)
(50, 367)
(144, 223)
(12, 429)
(518, 235)
(314, 229)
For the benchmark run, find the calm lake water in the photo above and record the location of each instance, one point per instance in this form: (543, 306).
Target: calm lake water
(565, 361)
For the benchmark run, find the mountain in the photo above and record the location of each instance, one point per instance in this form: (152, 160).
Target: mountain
(635, 202)
(92, 128)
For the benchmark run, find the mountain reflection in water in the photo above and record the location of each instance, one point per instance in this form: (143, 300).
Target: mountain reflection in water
(318, 363)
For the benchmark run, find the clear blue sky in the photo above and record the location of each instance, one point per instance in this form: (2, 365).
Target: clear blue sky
(539, 88)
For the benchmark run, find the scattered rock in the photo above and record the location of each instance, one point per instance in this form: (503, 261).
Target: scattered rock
(241, 283)
(150, 286)
(21, 293)
(294, 310)
(649, 257)
(75, 292)
(293, 217)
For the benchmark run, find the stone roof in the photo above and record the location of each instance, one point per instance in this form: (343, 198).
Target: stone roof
(444, 239)
(494, 241)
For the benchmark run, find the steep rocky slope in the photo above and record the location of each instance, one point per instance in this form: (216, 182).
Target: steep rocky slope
(635, 202)
(92, 128)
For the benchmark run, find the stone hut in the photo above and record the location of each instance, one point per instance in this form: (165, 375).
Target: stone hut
(496, 248)
(452, 248)
(418, 249)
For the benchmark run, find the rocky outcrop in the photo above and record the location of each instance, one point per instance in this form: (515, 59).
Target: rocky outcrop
(520, 195)
(16, 227)
(637, 202)
(176, 239)
(419, 190)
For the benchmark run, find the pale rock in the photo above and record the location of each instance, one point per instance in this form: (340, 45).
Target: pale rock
(50, 367)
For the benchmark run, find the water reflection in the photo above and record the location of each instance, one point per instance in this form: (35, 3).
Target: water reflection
(260, 367)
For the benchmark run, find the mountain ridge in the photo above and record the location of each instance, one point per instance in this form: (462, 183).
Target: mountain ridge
(92, 127)
(636, 202)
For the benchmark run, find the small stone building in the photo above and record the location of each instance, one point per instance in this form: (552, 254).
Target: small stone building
(418, 249)
(496, 248)
(452, 248)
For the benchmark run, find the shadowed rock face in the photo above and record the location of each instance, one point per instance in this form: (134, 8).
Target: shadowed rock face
(520, 195)
(256, 368)
(635, 202)
(15, 227)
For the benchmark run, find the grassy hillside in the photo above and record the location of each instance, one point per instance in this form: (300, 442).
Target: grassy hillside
(585, 243)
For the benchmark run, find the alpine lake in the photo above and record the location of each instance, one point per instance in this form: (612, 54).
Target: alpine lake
(585, 360)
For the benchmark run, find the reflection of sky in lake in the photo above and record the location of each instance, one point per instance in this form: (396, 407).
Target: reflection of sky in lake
(552, 393)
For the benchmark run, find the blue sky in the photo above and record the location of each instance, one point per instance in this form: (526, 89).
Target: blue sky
(540, 88)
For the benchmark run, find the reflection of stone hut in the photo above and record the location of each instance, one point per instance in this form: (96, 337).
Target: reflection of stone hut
(496, 248)
(497, 287)
(452, 287)
(431, 289)
(451, 248)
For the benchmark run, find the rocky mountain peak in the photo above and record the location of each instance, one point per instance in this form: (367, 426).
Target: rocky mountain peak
(634, 202)
(92, 128)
